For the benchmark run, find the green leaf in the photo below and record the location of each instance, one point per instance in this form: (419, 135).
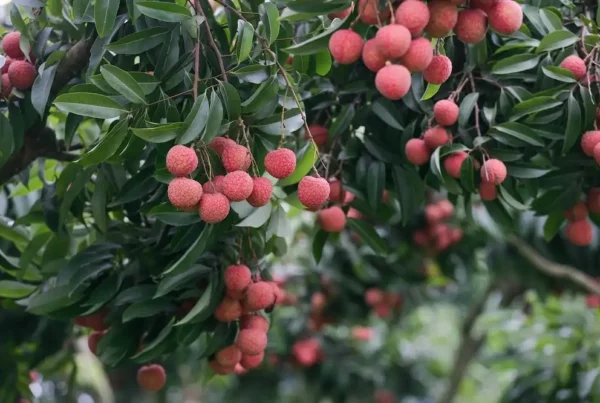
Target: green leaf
(511, 200)
(520, 132)
(553, 224)
(215, 116)
(158, 134)
(434, 163)
(162, 11)
(105, 15)
(91, 105)
(292, 121)
(245, 37)
(533, 105)
(170, 215)
(316, 43)
(466, 108)
(87, 273)
(206, 239)
(156, 348)
(430, 91)
(559, 74)
(386, 111)
(557, 40)
(254, 73)
(263, 94)
(106, 291)
(123, 83)
(257, 218)
(516, 64)
(14, 289)
(140, 292)
(550, 19)
(107, 146)
(195, 121)
(139, 42)
(342, 121)
(145, 309)
(41, 89)
(180, 277)
(207, 302)
(499, 214)
(74, 190)
(231, 100)
(52, 300)
(33, 248)
(323, 62)
(375, 184)
(467, 175)
(7, 141)
(368, 234)
(306, 160)
(573, 124)
(269, 16)
(525, 172)
(319, 241)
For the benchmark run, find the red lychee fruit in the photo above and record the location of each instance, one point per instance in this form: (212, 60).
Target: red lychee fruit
(152, 377)
(319, 133)
(374, 296)
(579, 232)
(596, 153)
(313, 192)
(456, 235)
(7, 61)
(593, 200)
(219, 144)
(21, 74)
(95, 321)
(252, 361)
(307, 352)
(254, 322)
(417, 152)
(6, 86)
(592, 301)
(220, 369)
(433, 214)
(184, 193)
(436, 137)
(214, 186)
(419, 55)
(236, 157)
(228, 310)
(237, 185)
(361, 333)
(384, 396)
(251, 341)
(484, 5)
(488, 191)
(279, 293)
(589, 140)
(493, 171)
(181, 160)
(372, 57)
(471, 26)
(443, 16)
(341, 14)
(577, 213)
(506, 17)
(439, 70)
(261, 192)
(393, 81)
(453, 162)
(382, 310)
(11, 45)
(332, 219)
(214, 208)
(446, 207)
(259, 296)
(237, 277)
(414, 15)
(335, 190)
(345, 46)
(93, 340)
(575, 65)
(317, 302)
(420, 237)
(354, 213)
(367, 11)
(229, 356)
(445, 112)
(280, 163)
(393, 41)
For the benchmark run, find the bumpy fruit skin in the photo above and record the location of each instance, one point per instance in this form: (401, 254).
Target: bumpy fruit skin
(184, 193)
(484, 5)
(579, 232)
(589, 140)
(506, 17)
(345, 46)
(228, 310)
(214, 208)
(439, 70)
(6, 86)
(488, 191)
(453, 162)
(220, 369)
(393, 81)
(372, 56)
(259, 296)
(237, 277)
(215, 185)
(229, 356)
(417, 152)
(575, 65)
(181, 160)
(367, 11)
(152, 377)
(414, 15)
(313, 192)
(251, 341)
(596, 153)
(21, 74)
(493, 171)
(261, 192)
(11, 45)
(252, 361)
(319, 133)
(593, 200)
(7, 61)
(393, 41)
(445, 112)
(443, 16)
(93, 340)
(254, 322)
(280, 163)
(471, 26)
(577, 213)
(219, 144)
(436, 137)
(332, 219)
(236, 158)
(237, 185)
(419, 55)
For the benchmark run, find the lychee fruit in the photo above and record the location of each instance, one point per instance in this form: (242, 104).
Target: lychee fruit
(261, 192)
(445, 112)
(7, 61)
(484, 5)
(251, 341)
(214, 186)
(21, 74)
(335, 190)
(417, 152)
(596, 153)
(414, 15)
(493, 171)
(320, 134)
(280, 294)
(471, 26)
(438, 71)
(579, 232)
(237, 277)
(341, 14)
(393, 81)
(307, 352)
(11, 45)
(152, 377)
(589, 141)
(219, 144)
(181, 160)
(374, 296)
(446, 207)
(228, 310)
(593, 200)
(506, 17)
(332, 219)
(313, 192)
(93, 340)
(280, 163)
(345, 46)
(252, 361)
(6, 86)
(382, 310)
(443, 16)
(361, 333)
(184, 193)
(96, 321)
(220, 369)
(393, 41)
(259, 296)
(434, 214)
(436, 137)
(577, 213)
(575, 65)
(368, 10)
(228, 356)
(254, 322)
(384, 396)
(453, 162)
(236, 157)
(372, 56)
(214, 208)
(488, 191)
(419, 55)
(237, 185)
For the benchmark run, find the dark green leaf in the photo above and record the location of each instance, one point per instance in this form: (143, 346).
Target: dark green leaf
(375, 184)
(105, 15)
(14, 289)
(525, 172)
(368, 234)
(74, 190)
(195, 121)
(87, 104)
(263, 94)
(467, 175)
(410, 190)
(319, 241)
(158, 134)
(206, 239)
(257, 218)
(162, 11)
(516, 64)
(231, 100)
(107, 146)
(573, 124)
(170, 215)
(139, 42)
(52, 300)
(154, 349)
(145, 309)
(141, 292)
(245, 37)
(181, 277)
(207, 302)
(519, 132)
(123, 83)
(533, 105)
(316, 43)
(215, 116)
(106, 291)
(269, 15)
(557, 40)
(559, 74)
(553, 224)
(6, 140)
(386, 111)
(342, 121)
(466, 108)
(41, 89)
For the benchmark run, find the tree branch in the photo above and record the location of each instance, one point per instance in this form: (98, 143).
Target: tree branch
(211, 42)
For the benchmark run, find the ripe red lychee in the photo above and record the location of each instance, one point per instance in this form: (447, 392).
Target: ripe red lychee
(236, 157)
(393, 81)
(332, 219)
(95, 321)
(252, 361)
(220, 369)
(445, 112)
(345, 46)
(251, 341)
(152, 377)
(593, 200)
(443, 16)
(181, 160)
(280, 163)
(414, 15)
(589, 141)
(254, 322)
(417, 151)
(579, 232)
(505, 17)
(484, 5)
(21, 74)
(228, 310)
(11, 45)
(93, 340)
(420, 237)
(7, 61)
(471, 26)
(279, 293)
(361, 333)
(453, 162)
(393, 41)
(488, 191)
(319, 133)
(219, 144)
(419, 55)
(575, 65)
(6, 86)
(259, 296)
(577, 213)
(384, 396)
(214, 186)
(335, 190)
(237, 277)
(372, 57)
(493, 171)
(214, 208)
(436, 137)
(228, 356)
(367, 11)
(184, 193)
(237, 185)
(374, 296)
(439, 70)
(313, 192)
(596, 153)
(434, 214)
(382, 310)
(307, 352)
(446, 207)
(261, 192)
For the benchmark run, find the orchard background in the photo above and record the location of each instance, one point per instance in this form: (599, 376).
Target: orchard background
(300, 201)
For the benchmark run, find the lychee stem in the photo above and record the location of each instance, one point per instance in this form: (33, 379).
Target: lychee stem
(392, 16)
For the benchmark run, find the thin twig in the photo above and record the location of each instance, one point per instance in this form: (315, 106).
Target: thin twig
(197, 53)
(473, 89)
(211, 42)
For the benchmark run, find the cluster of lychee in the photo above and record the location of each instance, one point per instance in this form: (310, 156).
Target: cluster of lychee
(383, 303)
(437, 235)
(399, 49)
(579, 229)
(17, 71)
